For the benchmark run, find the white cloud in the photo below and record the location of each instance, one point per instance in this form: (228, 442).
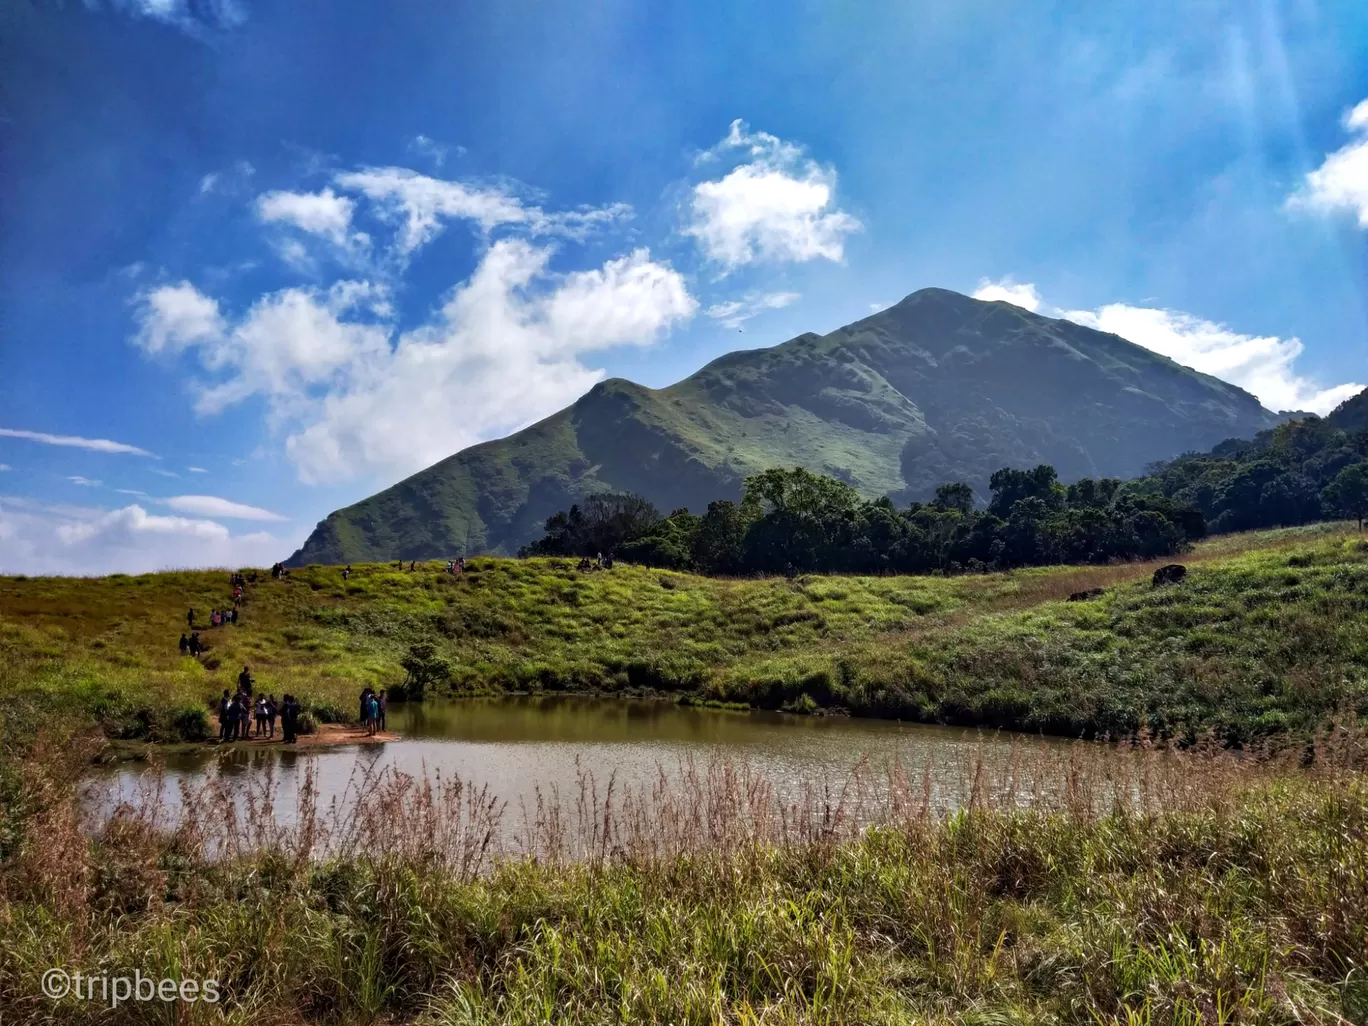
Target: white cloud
(85, 482)
(43, 539)
(1008, 291)
(132, 491)
(200, 19)
(197, 470)
(1261, 365)
(735, 312)
(212, 506)
(208, 182)
(434, 151)
(164, 473)
(175, 316)
(778, 205)
(421, 204)
(876, 307)
(324, 214)
(502, 351)
(4, 467)
(75, 442)
(1340, 184)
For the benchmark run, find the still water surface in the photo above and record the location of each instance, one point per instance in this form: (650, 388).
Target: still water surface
(519, 746)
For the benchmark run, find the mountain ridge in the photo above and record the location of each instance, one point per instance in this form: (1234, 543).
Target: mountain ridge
(938, 387)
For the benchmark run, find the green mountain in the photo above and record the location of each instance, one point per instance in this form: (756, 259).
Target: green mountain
(938, 388)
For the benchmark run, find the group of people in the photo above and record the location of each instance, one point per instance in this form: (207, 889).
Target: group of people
(456, 566)
(241, 716)
(601, 562)
(278, 571)
(191, 646)
(373, 708)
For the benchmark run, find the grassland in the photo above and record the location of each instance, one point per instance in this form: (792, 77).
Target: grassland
(1218, 890)
(1265, 638)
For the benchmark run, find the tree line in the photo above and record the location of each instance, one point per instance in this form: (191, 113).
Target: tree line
(795, 521)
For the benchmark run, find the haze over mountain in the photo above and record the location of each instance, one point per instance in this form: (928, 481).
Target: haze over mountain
(937, 388)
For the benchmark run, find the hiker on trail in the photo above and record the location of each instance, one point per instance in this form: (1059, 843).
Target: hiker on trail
(289, 718)
(381, 703)
(460, 565)
(213, 618)
(245, 681)
(234, 617)
(196, 646)
(347, 572)
(190, 619)
(225, 715)
(271, 710)
(184, 645)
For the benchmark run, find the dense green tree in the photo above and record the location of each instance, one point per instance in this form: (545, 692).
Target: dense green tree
(1347, 493)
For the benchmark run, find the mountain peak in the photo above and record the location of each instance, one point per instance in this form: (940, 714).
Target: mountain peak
(939, 388)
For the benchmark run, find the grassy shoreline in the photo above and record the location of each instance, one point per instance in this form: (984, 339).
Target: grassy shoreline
(1265, 639)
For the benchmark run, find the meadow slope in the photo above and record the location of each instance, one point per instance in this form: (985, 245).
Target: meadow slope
(1266, 636)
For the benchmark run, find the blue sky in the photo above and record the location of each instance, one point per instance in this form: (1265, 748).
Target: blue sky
(261, 260)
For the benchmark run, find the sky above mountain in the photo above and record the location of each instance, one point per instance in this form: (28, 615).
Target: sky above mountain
(264, 259)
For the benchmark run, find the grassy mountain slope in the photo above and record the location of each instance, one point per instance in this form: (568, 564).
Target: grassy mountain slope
(939, 387)
(1266, 635)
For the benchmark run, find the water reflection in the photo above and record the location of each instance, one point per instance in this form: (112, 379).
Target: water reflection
(523, 748)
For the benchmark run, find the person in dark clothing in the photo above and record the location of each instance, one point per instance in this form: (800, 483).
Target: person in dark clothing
(184, 645)
(272, 710)
(196, 646)
(383, 702)
(364, 712)
(225, 716)
(289, 718)
(245, 681)
(235, 615)
(243, 720)
(190, 619)
(412, 563)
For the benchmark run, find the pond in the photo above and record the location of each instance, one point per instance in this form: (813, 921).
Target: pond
(565, 749)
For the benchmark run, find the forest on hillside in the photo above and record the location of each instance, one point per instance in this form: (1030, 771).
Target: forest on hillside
(795, 521)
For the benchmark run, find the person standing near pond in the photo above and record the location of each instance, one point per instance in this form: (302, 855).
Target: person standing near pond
(271, 710)
(245, 681)
(364, 710)
(372, 714)
(381, 703)
(225, 716)
(289, 718)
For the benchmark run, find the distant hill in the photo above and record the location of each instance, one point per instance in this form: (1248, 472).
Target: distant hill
(938, 388)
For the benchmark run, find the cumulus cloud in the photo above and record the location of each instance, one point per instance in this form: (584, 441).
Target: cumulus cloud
(1261, 365)
(1340, 184)
(50, 539)
(212, 506)
(324, 214)
(195, 17)
(776, 204)
(354, 397)
(735, 312)
(1008, 291)
(75, 442)
(176, 316)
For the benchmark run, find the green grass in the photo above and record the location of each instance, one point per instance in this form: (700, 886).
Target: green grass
(1227, 893)
(1266, 636)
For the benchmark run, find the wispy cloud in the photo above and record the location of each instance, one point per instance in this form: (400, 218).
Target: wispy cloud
(4, 467)
(85, 482)
(75, 442)
(735, 312)
(213, 506)
(194, 17)
(197, 470)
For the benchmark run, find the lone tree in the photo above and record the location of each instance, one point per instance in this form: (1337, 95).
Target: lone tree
(1347, 492)
(423, 667)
